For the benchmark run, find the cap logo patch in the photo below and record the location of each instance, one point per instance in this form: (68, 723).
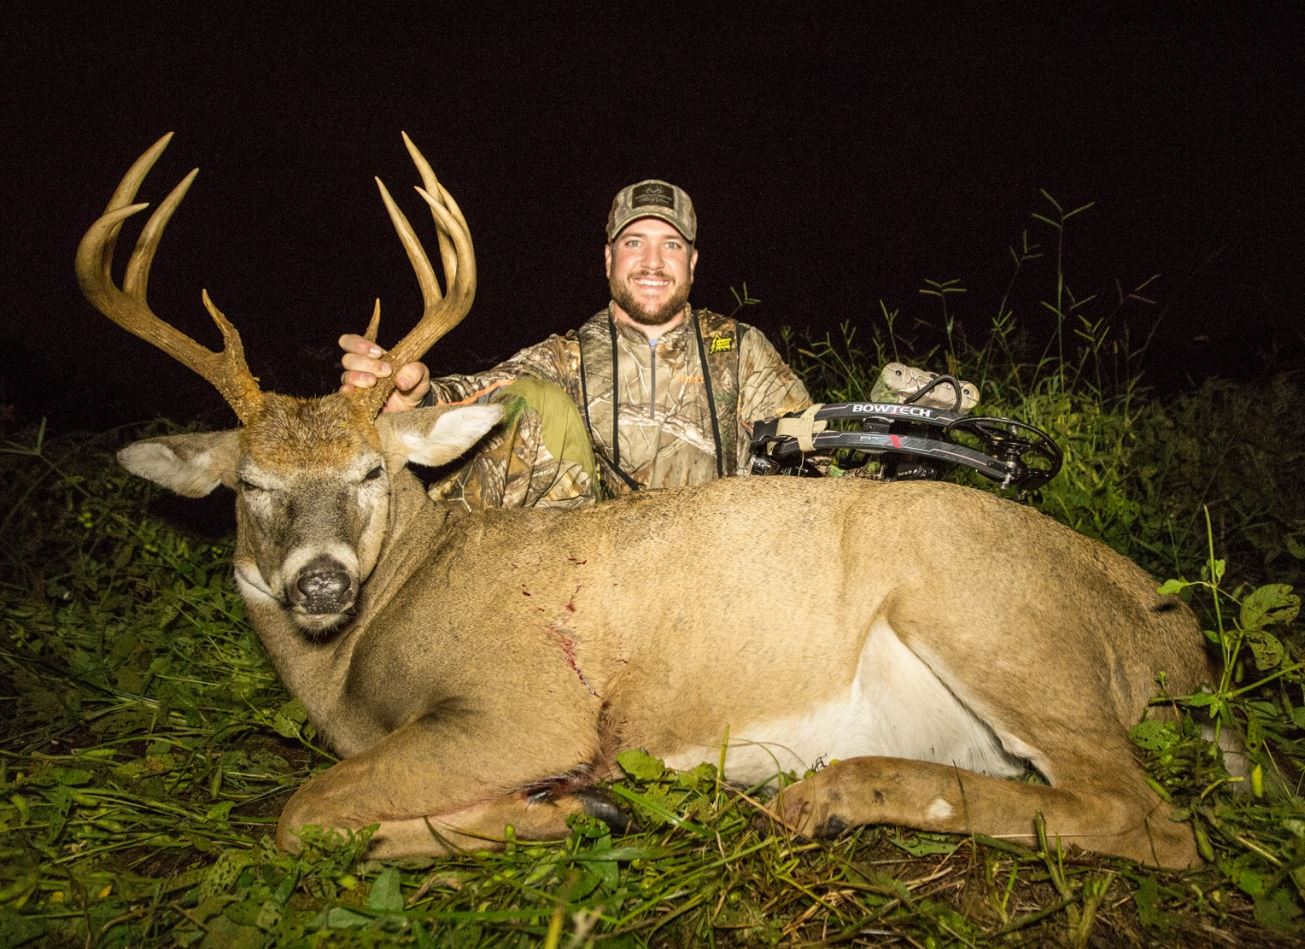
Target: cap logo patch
(652, 193)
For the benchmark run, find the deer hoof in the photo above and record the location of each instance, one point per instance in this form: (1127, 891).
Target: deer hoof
(809, 808)
(597, 804)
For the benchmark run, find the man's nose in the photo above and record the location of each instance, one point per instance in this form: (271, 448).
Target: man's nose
(652, 255)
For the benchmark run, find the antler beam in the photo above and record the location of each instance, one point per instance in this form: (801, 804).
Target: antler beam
(226, 370)
(441, 312)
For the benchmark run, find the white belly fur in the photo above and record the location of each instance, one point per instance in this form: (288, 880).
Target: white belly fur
(895, 707)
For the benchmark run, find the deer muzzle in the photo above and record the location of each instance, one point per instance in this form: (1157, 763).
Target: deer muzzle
(323, 586)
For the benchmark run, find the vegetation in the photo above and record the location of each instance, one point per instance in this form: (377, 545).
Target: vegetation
(147, 746)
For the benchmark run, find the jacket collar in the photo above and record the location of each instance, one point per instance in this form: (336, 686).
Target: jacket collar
(636, 336)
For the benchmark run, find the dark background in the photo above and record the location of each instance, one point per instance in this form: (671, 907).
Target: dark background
(837, 157)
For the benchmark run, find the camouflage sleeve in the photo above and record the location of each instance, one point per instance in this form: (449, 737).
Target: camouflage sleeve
(556, 359)
(767, 386)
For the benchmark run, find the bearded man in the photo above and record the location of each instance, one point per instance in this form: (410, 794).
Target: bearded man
(648, 393)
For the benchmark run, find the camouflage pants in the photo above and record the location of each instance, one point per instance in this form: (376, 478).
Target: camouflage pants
(539, 456)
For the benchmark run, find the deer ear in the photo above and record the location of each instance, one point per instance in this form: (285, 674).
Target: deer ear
(437, 435)
(191, 465)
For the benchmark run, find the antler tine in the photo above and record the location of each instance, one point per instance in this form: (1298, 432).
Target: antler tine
(126, 306)
(433, 186)
(441, 310)
(374, 324)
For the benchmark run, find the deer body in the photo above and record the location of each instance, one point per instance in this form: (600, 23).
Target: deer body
(494, 658)
(479, 670)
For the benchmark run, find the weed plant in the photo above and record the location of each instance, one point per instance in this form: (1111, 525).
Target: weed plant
(147, 746)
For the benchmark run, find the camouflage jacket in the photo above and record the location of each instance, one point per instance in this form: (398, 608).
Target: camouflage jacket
(655, 396)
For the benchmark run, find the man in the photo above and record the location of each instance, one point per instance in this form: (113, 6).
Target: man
(648, 393)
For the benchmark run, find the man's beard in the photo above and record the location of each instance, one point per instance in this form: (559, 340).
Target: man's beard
(626, 300)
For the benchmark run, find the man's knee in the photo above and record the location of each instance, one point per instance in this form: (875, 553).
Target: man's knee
(561, 429)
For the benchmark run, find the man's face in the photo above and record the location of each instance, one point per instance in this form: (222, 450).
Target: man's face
(650, 270)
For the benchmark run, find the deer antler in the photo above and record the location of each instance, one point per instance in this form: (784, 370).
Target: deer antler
(441, 312)
(227, 370)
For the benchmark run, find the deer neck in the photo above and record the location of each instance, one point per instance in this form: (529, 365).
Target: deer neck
(315, 671)
(415, 524)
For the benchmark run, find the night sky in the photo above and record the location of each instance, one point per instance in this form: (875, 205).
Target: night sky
(835, 160)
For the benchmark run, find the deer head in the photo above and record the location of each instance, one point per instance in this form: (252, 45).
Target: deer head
(314, 477)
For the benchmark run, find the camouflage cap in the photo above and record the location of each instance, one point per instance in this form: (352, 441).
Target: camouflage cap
(653, 198)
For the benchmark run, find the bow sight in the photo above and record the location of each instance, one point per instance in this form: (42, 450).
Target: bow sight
(908, 442)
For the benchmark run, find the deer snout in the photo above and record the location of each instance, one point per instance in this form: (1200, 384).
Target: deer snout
(323, 585)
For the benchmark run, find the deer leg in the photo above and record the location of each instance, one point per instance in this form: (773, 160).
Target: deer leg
(1115, 814)
(481, 826)
(445, 784)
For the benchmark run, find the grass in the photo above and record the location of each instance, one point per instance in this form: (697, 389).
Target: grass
(147, 746)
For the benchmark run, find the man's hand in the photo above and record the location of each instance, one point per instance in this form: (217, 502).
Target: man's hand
(363, 367)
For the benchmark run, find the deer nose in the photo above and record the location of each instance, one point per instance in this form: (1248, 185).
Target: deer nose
(323, 586)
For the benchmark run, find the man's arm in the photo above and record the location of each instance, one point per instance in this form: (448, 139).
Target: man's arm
(767, 386)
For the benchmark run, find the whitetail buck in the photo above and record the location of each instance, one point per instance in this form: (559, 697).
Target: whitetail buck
(930, 642)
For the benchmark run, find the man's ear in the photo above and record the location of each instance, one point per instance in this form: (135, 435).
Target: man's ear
(693, 262)
(190, 465)
(607, 260)
(437, 435)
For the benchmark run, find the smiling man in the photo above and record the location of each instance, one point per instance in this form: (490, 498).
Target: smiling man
(648, 393)
(650, 261)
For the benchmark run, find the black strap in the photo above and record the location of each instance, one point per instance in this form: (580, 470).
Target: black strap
(584, 389)
(610, 463)
(616, 403)
(614, 461)
(606, 463)
(711, 399)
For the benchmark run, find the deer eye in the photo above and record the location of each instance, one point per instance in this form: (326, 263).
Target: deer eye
(247, 485)
(374, 473)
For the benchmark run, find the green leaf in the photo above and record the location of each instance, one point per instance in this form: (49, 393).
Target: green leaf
(1172, 587)
(218, 813)
(1220, 567)
(16, 930)
(923, 845)
(221, 876)
(1268, 605)
(1147, 898)
(1153, 734)
(269, 916)
(1277, 909)
(386, 895)
(337, 917)
(61, 797)
(655, 805)
(640, 765)
(16, 892)
(1268, 651)
(700, 775)
(289, 719)
(1250, 880)
(224, 932)
(73, 777)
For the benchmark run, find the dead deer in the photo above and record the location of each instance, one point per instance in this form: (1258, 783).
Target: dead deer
(931, 642)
